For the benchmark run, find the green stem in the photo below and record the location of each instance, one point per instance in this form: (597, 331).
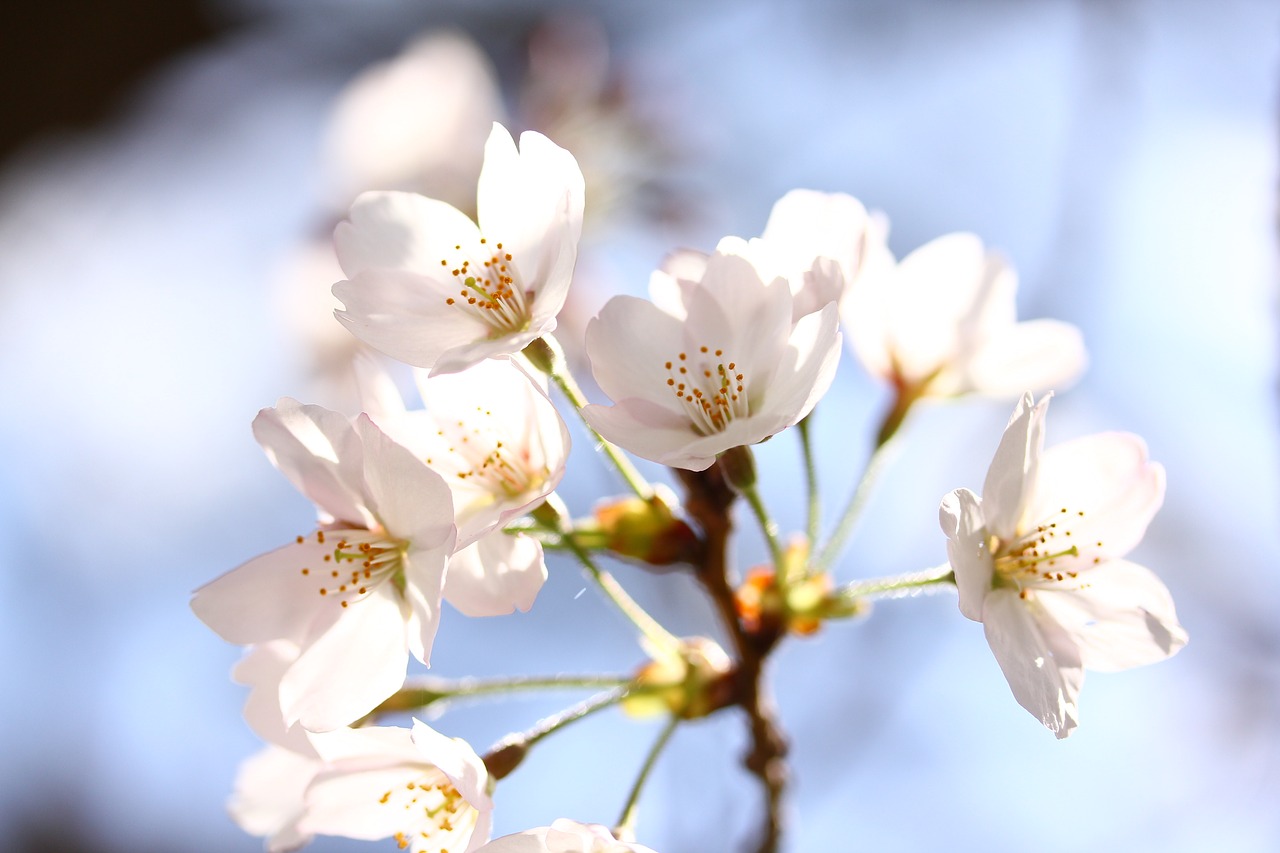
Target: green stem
(418, 693)
(812, 529)
(550, 359)
(626, 823)
(552, 514)
(770, 530)
(507, 754)
(879, 460)
(899, 586)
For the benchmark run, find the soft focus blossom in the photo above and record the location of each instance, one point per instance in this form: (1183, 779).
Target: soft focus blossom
(430, 288)
(415, 122)
(500, 445)
(427, 791)
(821, 243)
(563, 836)
(725, 366)
(942, 322)
(1037, 560)
(359, 593)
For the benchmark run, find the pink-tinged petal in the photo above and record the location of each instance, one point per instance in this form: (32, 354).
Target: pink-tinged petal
(424, 574)
(473, 352)
(268, 796)
(669, 285)
(345, 672)
(934, 293)
(807, 367)
(347, 800)
(529, 841)
(405, 315)
(380, 399)
(962, 522)
(496, 575)
(532, 202)
(754, 315)
(318, 451)
(1123, 617)
(1014, 472)
(629, 345)
(1109, 489)
(379, 746)
(269, 597)
(410, 500)
(387, 231)
(1037, 354)
(261, 670)
(458, 761)
(649, 431)
(1039, 661)
(806, 224)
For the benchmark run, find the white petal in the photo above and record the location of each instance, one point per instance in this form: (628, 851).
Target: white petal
(948, 276)
(1109, 489)
(1011, 479)
(380, 399)
(267, 598)
(410, 500)
(261, 670)
(405, 315)
(1038, 659)
(629, 345)
(424, 573)
(317, 450)
(1037, 354)
(267, 799)
(349, 669)
(807, 367)
(458, 761)
(651, 432)
(496, 575)
(1123, 617)
(402, 231)
(962, 522)
(347, 800)
(531, 201)
(529, 841)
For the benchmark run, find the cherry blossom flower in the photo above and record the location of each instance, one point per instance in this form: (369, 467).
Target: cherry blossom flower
(942, 322)
(359, 593)
(821, 243)
(563, 836)
(430, 288)
(725, 367)
(427, 791)
(1038, 560)
(501, 446)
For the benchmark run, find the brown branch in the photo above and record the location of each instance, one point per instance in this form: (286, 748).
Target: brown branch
(708, 500)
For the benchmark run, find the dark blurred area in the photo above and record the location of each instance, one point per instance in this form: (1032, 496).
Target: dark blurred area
(68, 65)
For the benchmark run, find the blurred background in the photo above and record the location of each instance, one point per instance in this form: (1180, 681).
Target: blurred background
(171, 172)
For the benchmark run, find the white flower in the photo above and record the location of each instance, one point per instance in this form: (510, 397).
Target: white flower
(724, 368)
(1037, 560)
(414, 122)
(500, 445)
(427, 791)
(363, 590)
(563, 836)
(821, 243)
(427, 287)
(942, 323)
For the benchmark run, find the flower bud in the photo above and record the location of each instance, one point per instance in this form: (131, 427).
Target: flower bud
(690, 682)
(761, 606)
(646, 530)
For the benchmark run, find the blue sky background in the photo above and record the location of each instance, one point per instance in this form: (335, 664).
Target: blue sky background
(1122, 155)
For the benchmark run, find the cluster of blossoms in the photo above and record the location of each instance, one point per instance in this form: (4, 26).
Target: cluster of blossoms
(455, 501)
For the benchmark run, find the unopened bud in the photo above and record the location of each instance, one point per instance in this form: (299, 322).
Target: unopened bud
(689, 682)
(646, 529)
(762, 608)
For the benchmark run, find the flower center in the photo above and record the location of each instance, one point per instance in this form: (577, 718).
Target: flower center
(710, 389)
(491, 292)
(437, 813)
(1046, 554)
(361, 561)
(478, 456)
